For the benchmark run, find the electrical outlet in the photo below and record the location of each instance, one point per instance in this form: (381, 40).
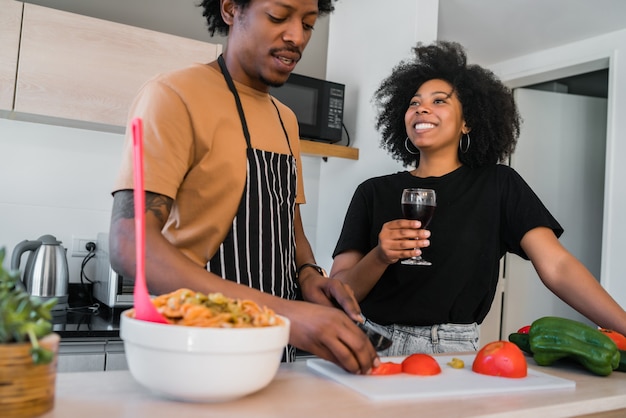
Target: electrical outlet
(79, 244)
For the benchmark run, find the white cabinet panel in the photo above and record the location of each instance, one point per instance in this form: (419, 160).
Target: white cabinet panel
(115, 356)
(80, 363)
(10, 21)
(116, 361)
(91, 354)
(81, 356)
(81, 68)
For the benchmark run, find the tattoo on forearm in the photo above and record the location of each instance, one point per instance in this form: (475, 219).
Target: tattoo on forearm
(124, 205)
(159, 205)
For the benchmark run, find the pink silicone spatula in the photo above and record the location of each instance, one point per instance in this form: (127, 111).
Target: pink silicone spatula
(144, 309)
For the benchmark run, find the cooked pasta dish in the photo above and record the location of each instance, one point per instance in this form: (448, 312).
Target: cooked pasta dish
(186, 307)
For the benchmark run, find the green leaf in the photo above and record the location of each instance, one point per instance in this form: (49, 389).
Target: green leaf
(23, 317)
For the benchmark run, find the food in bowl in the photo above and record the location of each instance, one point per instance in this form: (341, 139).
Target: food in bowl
(186, 307)
(237, 354)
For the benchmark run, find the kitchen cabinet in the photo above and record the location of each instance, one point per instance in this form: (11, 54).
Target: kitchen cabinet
(81, 71)
(91, 354)
(81, 356)
(10, 21)
(86, 69)
(115, 356)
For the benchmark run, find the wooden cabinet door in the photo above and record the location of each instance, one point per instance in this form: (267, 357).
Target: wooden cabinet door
(10, 21)
(81, 68)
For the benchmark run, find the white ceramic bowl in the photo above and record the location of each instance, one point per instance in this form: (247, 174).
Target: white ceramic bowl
(200, 364)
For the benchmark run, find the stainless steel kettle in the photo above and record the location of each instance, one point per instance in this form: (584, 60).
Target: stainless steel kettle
(46, 274)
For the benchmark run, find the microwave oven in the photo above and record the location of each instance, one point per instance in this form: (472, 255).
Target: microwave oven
(109, 287)
(318, 105)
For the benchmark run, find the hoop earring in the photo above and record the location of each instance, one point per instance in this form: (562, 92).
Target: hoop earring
(406, 145)
(466, 148)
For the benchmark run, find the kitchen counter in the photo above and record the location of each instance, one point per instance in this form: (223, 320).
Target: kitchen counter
(299, 392)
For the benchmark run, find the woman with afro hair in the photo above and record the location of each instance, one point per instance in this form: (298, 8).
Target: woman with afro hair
(455, 124)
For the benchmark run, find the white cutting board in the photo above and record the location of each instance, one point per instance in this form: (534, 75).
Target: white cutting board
(450, 382)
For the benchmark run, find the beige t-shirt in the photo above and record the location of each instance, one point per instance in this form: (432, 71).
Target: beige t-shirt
(195, 151)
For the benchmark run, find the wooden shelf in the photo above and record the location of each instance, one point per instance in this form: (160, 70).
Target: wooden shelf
(321, 149)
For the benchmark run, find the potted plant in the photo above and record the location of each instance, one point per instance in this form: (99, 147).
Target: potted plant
(28, 349)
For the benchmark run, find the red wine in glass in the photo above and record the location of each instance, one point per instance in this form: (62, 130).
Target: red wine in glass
(418, 204)
(422, 213)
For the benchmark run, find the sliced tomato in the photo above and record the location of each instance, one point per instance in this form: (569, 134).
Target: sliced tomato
(421, 364)
(387, 367)
(618, 339)
(500, 358)
(524, 329)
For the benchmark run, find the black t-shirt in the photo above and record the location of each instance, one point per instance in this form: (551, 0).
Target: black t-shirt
(481, 214)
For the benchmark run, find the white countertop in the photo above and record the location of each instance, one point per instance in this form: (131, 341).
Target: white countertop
(298, 391)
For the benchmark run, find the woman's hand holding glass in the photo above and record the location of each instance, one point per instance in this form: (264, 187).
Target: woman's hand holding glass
(399, 239)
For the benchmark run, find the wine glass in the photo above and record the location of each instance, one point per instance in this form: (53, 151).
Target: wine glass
(418, 204)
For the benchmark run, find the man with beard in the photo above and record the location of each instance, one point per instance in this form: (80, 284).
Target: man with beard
(223, 182)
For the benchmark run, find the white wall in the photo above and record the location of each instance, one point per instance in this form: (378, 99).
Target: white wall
(55, 180)
(364, 43)
(311, 166)
(575, 58)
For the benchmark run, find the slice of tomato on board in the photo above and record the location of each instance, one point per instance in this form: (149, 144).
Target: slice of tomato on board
(500, 358)
(387, 367)
(421, 364)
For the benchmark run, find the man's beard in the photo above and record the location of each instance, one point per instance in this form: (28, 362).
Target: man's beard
(274, 84)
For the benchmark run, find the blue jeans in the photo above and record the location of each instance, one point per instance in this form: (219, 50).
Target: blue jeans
(443, 338)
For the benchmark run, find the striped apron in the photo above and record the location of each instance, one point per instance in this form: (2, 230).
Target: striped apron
(259, 250)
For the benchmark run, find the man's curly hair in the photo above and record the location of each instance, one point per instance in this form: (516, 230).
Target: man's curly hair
(488, 105)
(216, 24)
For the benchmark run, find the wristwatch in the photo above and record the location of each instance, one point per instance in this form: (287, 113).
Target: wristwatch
(319, 269)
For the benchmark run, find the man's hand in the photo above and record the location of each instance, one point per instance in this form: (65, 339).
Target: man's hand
(330, 334)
